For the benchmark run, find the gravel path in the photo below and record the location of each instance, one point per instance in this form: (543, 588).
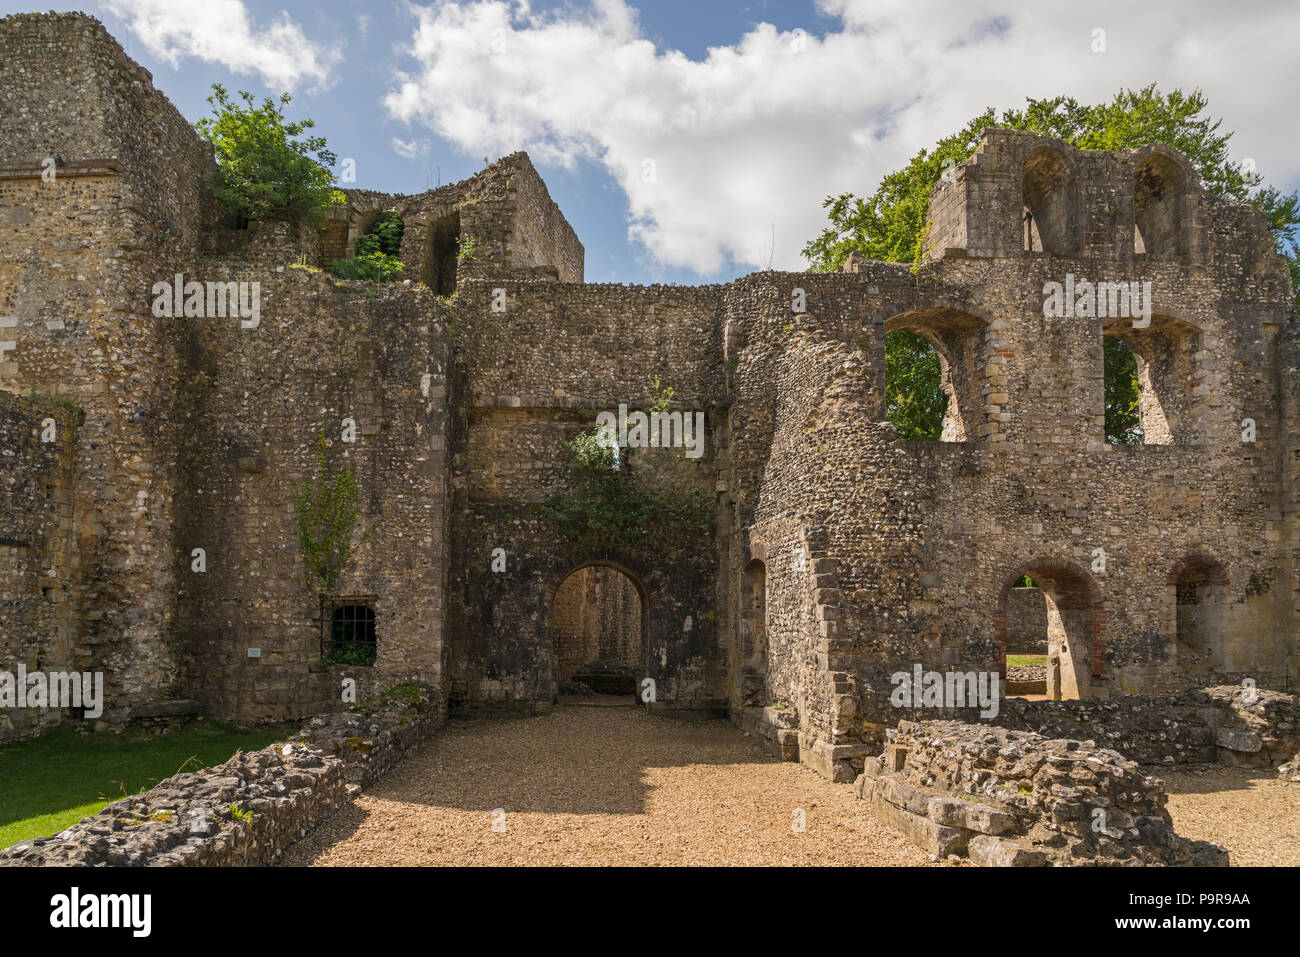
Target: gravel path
(587, 785)
(1247, 810)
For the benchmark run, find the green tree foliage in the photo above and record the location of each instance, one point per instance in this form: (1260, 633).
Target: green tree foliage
(607, 505)
(889, 225)
(327, 518)
(266, 168)
(383, 236)
(1123, 418)
(914, 398)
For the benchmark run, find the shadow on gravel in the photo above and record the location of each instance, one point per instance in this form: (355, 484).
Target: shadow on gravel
(575, 760)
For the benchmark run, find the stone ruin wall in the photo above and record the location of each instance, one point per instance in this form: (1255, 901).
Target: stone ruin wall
(255, 405)
(36, 575)
(531, 378)
(1034, 486)
(198, 430)
(77, 255)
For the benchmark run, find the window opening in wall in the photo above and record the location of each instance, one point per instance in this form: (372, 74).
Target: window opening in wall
(915, 399)
(1123, 410)
(443, 255)
(348, 631)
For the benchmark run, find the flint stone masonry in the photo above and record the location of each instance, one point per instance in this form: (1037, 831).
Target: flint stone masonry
(837, 553)
(247, 811)
(1203, 726)
(1011, 798)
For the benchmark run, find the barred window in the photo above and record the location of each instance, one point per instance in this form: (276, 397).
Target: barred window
(348, 631)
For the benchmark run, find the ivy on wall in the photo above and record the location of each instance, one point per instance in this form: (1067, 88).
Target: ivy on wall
(327, 518)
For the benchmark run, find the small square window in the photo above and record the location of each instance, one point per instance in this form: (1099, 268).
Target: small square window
(348, 630)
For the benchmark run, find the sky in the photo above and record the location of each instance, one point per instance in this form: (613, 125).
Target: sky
(694, 142)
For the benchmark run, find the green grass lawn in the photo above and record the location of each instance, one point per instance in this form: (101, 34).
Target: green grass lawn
(1025, 661)
(50, 782)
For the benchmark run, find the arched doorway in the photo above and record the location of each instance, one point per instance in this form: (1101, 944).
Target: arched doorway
(598, 627)
(1071, 620)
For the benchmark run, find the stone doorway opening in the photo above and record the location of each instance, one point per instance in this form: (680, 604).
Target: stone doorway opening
(1051, 613)
(598, 627)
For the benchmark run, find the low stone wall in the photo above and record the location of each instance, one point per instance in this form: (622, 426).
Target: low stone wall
(1204, 726)
(248, 810)
(1014, 798)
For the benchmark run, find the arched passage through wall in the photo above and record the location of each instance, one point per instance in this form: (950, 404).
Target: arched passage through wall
(1071, 618)
(598, 625)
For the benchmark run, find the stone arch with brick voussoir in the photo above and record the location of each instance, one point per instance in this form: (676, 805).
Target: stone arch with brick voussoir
(596, 626)
(1076, 625)
(958, 336)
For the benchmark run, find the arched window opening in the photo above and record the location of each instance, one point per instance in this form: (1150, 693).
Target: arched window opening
(1123, 409)
(916, 402)
(931, 393)
(1044, 188)
(443, 255)
(1157, 192)
(1151, 375)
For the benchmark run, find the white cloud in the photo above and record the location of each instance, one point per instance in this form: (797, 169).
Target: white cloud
(405, 149)
(220, 31)
(748, 140)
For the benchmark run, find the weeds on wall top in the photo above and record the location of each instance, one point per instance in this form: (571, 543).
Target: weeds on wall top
(327, 517)
(376, 252)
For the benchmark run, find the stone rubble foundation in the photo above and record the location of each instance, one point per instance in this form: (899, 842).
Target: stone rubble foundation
(247, 811)
(1018, 799)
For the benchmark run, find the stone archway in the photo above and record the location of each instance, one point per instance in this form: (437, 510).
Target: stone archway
(597, 632)
(1074, 623)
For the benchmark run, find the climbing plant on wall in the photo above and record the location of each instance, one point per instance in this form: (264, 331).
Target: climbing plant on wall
(607, 504)
(327, 518)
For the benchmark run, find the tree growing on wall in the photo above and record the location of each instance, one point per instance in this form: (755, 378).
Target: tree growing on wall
(889, 225)
(266, 168)
(327, 517)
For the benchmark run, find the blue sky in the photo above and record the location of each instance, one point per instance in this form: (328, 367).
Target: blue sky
(693, 141)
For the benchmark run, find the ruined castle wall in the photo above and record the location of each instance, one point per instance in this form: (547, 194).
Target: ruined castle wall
(39, 443)
(78, 254)
(533, 377)
(925, 539)
(256, 403)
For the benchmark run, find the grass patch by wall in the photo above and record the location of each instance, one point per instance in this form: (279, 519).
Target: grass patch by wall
(1026, 661)
(51, 782)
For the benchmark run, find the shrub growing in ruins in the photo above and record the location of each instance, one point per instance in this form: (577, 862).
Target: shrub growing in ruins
(327, 518)
(266, 168)
(375, 256)
(608, 505)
